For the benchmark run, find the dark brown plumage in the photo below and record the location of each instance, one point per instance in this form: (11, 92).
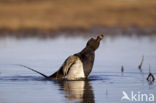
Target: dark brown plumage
(77, 66)
(86, 56)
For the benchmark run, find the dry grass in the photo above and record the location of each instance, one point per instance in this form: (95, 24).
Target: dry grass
(69, 14)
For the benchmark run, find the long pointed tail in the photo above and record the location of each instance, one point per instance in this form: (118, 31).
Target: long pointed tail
(32, 70)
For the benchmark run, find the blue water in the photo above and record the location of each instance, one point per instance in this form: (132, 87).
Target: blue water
(106, 82)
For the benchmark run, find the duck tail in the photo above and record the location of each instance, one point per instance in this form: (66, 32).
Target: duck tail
(32, 70)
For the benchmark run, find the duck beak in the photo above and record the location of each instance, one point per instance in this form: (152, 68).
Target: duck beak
(100, 37)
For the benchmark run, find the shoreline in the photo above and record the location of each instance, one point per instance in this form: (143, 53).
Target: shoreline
(109, 31)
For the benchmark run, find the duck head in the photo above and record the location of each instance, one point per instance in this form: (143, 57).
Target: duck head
(94, 42)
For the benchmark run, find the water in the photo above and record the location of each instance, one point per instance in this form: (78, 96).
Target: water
(106, 82)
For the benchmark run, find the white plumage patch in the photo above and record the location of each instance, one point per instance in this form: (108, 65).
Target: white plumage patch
(76, 71)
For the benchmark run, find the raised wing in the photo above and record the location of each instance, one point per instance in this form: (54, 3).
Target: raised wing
(68, 63)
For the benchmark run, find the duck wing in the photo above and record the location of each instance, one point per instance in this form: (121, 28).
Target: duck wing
(68, 64)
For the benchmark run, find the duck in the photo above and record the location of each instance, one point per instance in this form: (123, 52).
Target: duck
(77, 66)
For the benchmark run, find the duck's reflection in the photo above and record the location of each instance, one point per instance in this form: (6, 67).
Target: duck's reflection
(79, 91)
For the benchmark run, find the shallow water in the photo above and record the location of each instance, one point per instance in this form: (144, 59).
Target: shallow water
(106, 82)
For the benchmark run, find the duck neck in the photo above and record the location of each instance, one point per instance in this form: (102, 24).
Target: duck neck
(86, 50)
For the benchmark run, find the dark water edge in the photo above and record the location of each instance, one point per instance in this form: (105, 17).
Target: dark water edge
(111, 31)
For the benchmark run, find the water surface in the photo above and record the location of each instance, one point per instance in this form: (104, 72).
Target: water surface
(106, 82)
